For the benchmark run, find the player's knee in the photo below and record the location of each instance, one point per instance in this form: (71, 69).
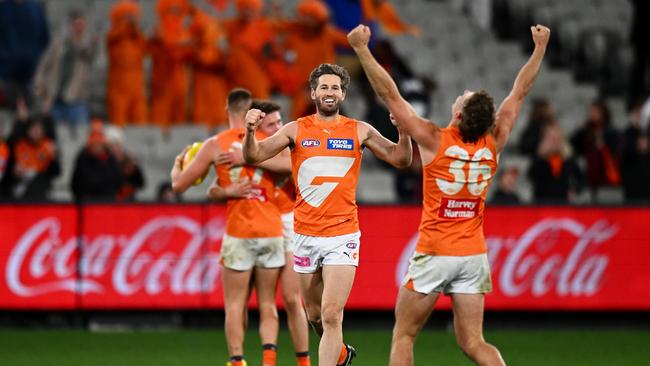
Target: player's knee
(469, 345)
(234, 307)
(268, 311)
(402, 334)
(332, 316)
(292, 304)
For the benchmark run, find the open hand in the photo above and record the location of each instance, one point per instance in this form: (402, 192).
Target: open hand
(232, 158)
(240, 189)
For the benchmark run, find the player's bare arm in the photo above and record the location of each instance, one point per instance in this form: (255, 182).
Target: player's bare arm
(509, 109)
(424, 132)
(280, 163)
(397, 154)
(183, 177)
(255, 151)
(239, 189)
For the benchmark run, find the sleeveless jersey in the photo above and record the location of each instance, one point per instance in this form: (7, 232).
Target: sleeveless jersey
(325, 163)
(257, 216)
(455, 184)
(285, 194)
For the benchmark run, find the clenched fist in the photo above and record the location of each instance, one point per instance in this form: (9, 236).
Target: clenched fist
(541, 35)
(359, 36)
(253, 119)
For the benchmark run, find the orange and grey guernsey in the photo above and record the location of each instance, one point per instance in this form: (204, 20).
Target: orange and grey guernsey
(256, 216)
(455, 184)
(325, 163)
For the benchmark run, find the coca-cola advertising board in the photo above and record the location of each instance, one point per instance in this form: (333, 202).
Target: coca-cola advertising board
(39, 254)
(166, 256)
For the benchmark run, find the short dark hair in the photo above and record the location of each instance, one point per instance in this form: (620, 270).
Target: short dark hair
(477, 116)
(75, 14)
(601, 104)
(266, 106)
(329, 69)
(239, 100)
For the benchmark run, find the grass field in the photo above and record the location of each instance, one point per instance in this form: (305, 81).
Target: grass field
(548, 348)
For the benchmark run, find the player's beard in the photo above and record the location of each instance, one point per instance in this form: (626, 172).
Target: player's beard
(325, 109)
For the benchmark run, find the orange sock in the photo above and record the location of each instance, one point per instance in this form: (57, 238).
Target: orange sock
(302, 359)
(269, 355)
(343, 355)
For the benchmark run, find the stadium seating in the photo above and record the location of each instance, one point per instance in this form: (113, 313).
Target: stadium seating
(452, 51)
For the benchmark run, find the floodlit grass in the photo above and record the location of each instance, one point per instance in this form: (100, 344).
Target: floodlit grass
(547, 348)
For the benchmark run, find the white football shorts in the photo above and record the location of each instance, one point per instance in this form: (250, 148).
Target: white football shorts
(242, 254)
(312, 252)
(287, 231)
(449, 274)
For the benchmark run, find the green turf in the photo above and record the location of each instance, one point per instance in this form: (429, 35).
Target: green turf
(548, 348)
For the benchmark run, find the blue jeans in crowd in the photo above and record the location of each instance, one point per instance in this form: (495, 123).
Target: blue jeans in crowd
(74, 114)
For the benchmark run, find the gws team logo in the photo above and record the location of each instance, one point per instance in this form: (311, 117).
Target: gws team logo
(340, 144)
(310, 143)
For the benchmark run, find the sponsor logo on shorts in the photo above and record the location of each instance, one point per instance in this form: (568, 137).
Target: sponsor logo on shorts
(451, 208)
(301, 261)
(310, 143)
(340, 144)
(351, 245)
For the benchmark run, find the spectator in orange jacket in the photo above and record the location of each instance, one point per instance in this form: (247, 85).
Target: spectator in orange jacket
(383, 12)
(126, 50)
(314, 42)
(170, 50)
(210, 86)
(35, 164)
(256, 63)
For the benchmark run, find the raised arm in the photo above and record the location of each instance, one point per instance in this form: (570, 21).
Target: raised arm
(397, 154)
(423, 131)
(255, 151)
(509, 109)
(280, 163)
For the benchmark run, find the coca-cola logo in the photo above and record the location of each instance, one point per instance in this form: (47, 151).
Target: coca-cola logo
(558, 255)
(42, 262)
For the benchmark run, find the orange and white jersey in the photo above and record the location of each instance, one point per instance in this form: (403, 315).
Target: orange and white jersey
(256, 216)
(325, 163)
(455, 184)
(285, 194)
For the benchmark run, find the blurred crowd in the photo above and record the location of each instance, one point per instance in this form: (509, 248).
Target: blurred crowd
(196, 58)
(197, 55)
(596, 156)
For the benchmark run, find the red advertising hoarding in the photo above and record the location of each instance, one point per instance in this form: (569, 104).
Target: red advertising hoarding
(39, 253)
(163, 257)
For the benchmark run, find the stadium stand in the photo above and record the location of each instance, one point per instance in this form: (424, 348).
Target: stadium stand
(589, 38)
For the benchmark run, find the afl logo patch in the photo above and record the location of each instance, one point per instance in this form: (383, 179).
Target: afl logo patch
(310, 143)
(351, 245)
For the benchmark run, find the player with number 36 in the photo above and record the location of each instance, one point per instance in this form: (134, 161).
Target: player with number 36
(458, 163)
